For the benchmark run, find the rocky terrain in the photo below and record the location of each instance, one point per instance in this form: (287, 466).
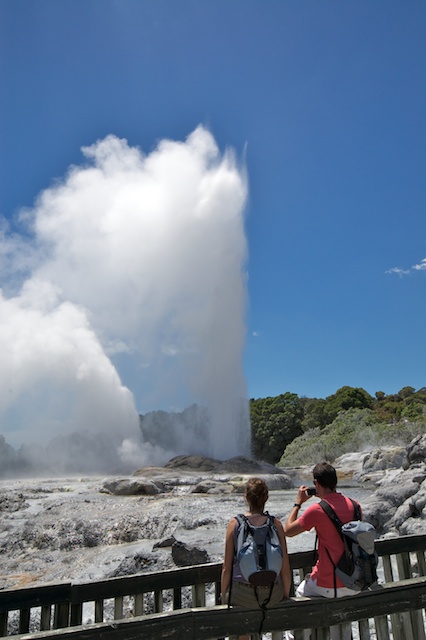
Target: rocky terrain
(83, 529)
(398, 504)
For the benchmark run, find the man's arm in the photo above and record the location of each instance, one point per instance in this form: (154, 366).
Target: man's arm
(292, 526)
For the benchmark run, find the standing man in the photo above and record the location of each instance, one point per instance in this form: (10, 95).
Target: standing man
(330, 545)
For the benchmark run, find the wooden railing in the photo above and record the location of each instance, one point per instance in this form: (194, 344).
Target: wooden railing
(172, 604)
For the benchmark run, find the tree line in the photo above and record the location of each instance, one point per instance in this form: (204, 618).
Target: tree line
(286, 424)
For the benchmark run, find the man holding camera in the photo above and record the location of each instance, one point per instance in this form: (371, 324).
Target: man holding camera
(321, 582)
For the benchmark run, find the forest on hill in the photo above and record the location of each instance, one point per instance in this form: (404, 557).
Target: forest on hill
(292, 430)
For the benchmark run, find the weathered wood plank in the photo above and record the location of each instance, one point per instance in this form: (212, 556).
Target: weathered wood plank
(3, 623)
(138, 609)
(417, 626)
(392, 546)
(217, 593)
(155, 581)
(158, 601)
(407, 628)
(382, 629)
(24, 620)
(61, 615)
(364, 630)
(198, 595)
(118, 608)
(396, 624)
(407, 596)
(421, 564)
(28, 597)
(404, 565)
(291, 614)
(177, 598)
(76, 617)
(45, 617)
(387, 569)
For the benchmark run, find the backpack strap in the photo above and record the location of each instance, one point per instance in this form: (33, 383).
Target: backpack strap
(338, 524)
(241, 519)
(334, 517)
(357, 509)
(328, 509)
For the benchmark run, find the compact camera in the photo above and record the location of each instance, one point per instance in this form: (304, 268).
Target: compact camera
(311, 491)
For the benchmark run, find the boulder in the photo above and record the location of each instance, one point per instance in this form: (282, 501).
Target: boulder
(350, 462)
(184, 556)
(378, 513)
(131, 487)
(212, 487)
(194, 463)
(393, 505)
(416, 450)
(248, 466)
(385, 458)
(133, 564)
(167, 542)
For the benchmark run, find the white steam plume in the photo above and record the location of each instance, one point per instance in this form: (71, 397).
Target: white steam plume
(138, 260)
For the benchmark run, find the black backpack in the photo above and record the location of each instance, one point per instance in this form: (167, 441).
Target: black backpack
(357, 567)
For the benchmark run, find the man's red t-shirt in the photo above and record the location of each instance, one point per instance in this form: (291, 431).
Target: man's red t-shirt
(328, 537)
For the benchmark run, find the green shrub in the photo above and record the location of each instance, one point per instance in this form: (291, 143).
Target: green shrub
(352, 430)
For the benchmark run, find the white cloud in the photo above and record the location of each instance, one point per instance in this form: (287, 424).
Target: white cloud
(398, 271)
(421, 266)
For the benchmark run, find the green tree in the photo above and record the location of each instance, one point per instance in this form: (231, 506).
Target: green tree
(313, 413)
(275, 422)
(348, 432)
(406, 392)
(346, 398)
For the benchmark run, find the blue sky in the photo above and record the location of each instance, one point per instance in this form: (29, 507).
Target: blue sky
(326, 101)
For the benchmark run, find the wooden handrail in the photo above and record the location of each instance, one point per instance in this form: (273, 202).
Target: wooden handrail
(67, 598)
(57, 593)
(216, 622)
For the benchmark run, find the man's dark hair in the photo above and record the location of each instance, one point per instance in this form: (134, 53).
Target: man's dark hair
(325, 475)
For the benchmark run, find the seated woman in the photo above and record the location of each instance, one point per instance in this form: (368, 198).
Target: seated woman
(233, 584)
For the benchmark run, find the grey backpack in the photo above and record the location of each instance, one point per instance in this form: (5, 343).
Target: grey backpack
(357, 567)
(258, 551)
(259, 554)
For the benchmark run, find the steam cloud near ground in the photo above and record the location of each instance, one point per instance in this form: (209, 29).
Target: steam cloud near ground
(130, 268)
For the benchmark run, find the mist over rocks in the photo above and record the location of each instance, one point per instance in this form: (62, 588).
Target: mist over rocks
(80, 452)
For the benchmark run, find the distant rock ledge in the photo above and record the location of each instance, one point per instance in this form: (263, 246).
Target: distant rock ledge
(198, 474)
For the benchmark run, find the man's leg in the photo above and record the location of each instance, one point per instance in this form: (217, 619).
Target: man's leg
(310, 589)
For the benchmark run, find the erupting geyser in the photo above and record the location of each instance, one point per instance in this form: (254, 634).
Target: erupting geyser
(134, 278)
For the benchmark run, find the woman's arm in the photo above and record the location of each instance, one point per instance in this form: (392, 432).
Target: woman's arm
(228, 559)
(285, 567)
